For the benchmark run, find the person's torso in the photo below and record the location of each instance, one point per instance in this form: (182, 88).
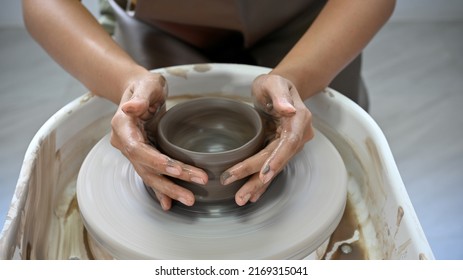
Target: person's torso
(204, 22)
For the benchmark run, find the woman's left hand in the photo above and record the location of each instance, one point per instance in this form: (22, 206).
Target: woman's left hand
(279, 101)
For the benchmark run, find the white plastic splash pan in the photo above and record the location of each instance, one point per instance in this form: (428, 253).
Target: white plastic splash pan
(44, 222)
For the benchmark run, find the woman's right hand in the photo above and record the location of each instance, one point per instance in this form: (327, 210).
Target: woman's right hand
(143, 101)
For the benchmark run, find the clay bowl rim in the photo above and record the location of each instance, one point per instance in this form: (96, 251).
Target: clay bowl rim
(255, 140)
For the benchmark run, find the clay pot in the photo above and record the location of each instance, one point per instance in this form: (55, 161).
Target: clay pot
(214, 134)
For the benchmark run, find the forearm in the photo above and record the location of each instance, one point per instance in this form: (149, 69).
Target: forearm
(336, 37)
(75, 40)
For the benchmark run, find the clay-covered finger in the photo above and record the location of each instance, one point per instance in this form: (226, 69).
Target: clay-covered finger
(251, 190)
(166, 187)
(145, 97)
(193, 174)
(273, 95)
(164, 200)
(286, 147)
(165, 165)
(247, 167)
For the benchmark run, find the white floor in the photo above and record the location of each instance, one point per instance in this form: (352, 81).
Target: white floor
(414, 73)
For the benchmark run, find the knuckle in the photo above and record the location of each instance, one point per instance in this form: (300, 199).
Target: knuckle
(117, 119)
(308, 115)
(114, 121)
(113, 140)
(309, 135)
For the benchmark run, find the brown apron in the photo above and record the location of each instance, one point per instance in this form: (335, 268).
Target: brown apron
(164, 33)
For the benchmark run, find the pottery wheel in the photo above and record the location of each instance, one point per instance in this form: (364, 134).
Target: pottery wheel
(299, 211)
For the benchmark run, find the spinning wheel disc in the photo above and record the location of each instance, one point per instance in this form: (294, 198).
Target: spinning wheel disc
(299, 211)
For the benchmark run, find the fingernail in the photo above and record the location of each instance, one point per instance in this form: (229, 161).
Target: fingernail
(163, 205)
(185, 201)
(267, 176)
(245, 199)
(226, 178)
(198, 180)
(289, 106)
(173, 171)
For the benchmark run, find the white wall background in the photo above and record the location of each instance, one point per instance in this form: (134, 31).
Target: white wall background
(406, 10)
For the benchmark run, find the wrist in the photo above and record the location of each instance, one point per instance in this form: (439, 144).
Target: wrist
(129, 77)
(307, 81)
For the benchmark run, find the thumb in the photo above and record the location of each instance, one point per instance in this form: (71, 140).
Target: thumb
(283, 105)
(145, 96)
(136, 106)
